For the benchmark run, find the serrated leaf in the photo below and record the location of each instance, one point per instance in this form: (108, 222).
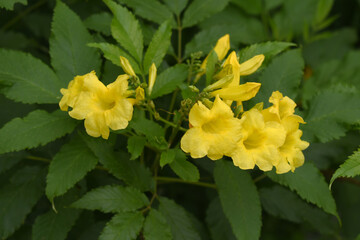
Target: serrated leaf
(112, 199)
(135, 146)
(124, 226)
(350, 168)
(113, 53)
(74, 160)
(29, 80)
(37, 128)
(308, 182)
(9, 4)
(176, 6)
(99, 22)
(156, 227)
(151, 10)
(183, 168)
(283, 74)
(217, 222)
(249, 6)
(239, 200)
(18, 198)
(169, 80)
(158, 46)
(198, 10)
(126, 30)
(167, 157)
(328, 112)
(119, 164)
(69, 54)
(178, 220)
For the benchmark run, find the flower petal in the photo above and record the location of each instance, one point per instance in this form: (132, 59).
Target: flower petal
(119, 116)
(95, 125)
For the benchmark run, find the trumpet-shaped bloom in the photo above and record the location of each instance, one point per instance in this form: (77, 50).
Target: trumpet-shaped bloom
(215, 132)
(101, 106)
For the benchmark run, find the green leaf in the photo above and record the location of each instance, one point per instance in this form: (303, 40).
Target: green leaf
(37, 128)
(126, 30)
(18, 198)
(69, 54)
(123, 226)
(8, 160)
(308, 182)
(156, 227)
(113, 53)
(158, 46)
(135, 146)
(239, 199)
(9, 4)
(151, 10)
(74, 160)
(217, 222)
(29, 80)
(283, 74)
(350, 168)
(210, 66)
(118, 164)
(178, 220)
(249, 6)
(112, 199)
(176, 6)
(99, 22)
(167, 156)
(322, 10)
(183, 168)
(167, 81)
(198, 10)
(328, 113)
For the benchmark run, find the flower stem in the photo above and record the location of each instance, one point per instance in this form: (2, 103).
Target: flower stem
(178, 180)
(171, 124)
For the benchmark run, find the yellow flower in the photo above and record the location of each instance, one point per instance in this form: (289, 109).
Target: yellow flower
(101, 106)
(259, 143)
(126, 66)
(152, 77)
(282, 111)
(238, 93)
(251, 65)
(214, 131)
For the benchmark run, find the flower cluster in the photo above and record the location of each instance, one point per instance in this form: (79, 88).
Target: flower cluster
(264, 137)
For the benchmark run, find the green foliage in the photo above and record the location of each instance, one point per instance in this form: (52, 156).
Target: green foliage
(350, 168)
(239, 199)
(156, 227)
(28, 79)
(183, 168)
(69, 54)
(22, 133)
(250, 6)
(308, 182)
(9, 4)
(73, 160)
(176, 6)
(6, 163)
(167, 156)
(18, 198)
(112, 199)
(99, 22)
(136, 146)
(210, 66)
(178, 220)
(123, 226)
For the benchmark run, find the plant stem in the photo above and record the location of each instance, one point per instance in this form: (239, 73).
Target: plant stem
(40, 159)
(259, 178)
(179, 38)
(171, 124)
(178, 180)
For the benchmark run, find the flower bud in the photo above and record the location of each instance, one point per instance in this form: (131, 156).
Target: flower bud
(251, 65)
(126, 66)
(152, 77)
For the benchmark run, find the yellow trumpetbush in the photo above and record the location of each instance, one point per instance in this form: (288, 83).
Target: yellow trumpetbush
(101, 106)
(259, 142)
(250, 66)
(238, 93)
(214, 132)
(139, 94)
(282, 111)
(152, 77)
(126, 66)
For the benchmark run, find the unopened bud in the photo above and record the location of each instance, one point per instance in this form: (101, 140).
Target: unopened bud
(152, 77)
(126, 66)
(220, 84)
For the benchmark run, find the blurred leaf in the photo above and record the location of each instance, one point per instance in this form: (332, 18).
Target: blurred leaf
(249, 6)
(176, 6)
(299, 14)
(151, 10)
(178, 220)
(112, 199)
(113, 53)
(74, 160)
(350, 168)
(271, 4)
(322, 10)
(69, 54)
(308, 182)
(158, 46)
(183, 168)
(29, 79)
(23, 133)
(167, 81)
(9, 4)
(13, 40)
(156, 227)
(99, 22)
(239, 200)
(198, 10)
(126, 30)
(8, 160)
(167, 156)
(210, 66)
(135, 146)
(123, 226)
(217, 222)
(18, 198)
